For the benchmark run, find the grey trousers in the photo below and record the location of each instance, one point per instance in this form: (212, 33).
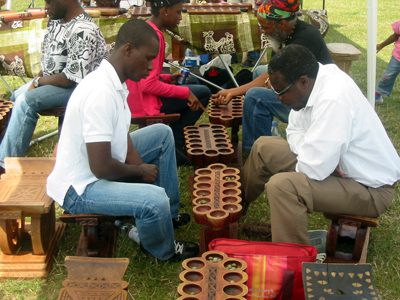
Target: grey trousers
(292, 195)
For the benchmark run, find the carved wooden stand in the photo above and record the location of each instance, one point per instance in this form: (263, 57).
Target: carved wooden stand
(97, 237)
(229, 115)
(216, 202)
(23, 194)
(353, 227)
(214, 276)
(94, 279)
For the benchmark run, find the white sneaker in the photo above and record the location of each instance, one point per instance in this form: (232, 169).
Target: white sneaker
(379, 101)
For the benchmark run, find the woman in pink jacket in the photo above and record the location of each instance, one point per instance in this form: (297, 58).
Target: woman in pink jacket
(158, 94)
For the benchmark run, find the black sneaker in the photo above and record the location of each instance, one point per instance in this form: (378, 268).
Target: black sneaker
(180, 220)
(184, 250)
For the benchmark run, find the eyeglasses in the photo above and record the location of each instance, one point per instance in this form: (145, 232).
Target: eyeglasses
(285, 89)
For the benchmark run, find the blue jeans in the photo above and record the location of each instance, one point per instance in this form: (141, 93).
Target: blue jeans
(152, 205)
(386, 83)
(253, 56)
(24, 116)
(259, 109)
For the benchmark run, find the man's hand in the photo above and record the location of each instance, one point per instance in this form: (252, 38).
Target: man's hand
(31, 87)
(223, 97)
(175, 76)
(194, 103)
(338, 173)
(378, 47)
(149, 173)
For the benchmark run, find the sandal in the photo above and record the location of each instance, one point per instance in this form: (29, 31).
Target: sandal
(258, 229)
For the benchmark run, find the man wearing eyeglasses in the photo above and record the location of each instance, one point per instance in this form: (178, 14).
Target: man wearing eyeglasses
(337, 157)
(278, 21)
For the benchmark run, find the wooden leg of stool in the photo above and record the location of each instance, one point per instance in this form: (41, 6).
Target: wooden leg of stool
(42, 230)
(10, 236)
(361, 242)
(333, 235)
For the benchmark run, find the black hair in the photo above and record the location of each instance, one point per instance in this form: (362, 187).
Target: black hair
(294, 61)
(155, 5)
(135, 32)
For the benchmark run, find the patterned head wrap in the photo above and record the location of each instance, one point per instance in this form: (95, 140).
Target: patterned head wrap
(278, 9)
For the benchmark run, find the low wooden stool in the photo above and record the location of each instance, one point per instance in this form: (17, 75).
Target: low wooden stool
(343, 54)
(94, 278)
(356, 228)
(144, 121)
(98, 234)
(23, 194)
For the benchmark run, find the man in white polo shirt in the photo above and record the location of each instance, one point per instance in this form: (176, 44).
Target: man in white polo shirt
(101, 168)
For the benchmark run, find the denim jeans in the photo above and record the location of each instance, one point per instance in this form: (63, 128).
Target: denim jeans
(259, 71)
(386, 83)
(259, 109)
(188, 116)
(253, 56)
(152, 205)
(24, 116)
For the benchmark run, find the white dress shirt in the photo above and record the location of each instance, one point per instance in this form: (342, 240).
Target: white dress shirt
(338, 126)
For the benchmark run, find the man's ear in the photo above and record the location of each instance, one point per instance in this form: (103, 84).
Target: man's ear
(283, 25)
(128, 49)
(304, 81)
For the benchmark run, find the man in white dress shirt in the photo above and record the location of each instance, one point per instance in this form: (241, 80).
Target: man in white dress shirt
(337, 157)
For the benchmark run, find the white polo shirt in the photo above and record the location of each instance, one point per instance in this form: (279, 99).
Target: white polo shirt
(97, 112)
(339, 126)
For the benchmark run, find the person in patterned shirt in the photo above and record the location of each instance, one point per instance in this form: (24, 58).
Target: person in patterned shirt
(73, 46)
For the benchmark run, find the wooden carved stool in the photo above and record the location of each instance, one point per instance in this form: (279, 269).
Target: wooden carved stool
(98, 233)
(94, 278)
(357, 229)
(343, 54)
(23, 194)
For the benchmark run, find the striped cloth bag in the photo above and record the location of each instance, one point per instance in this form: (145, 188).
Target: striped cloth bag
(274, 269)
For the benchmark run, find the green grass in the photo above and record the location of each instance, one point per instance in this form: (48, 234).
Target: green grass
(152, 279)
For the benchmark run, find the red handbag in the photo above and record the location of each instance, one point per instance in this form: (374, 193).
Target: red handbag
(274, 269)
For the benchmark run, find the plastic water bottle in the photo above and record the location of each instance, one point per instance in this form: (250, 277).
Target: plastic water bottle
(275, 129)
(129, 229)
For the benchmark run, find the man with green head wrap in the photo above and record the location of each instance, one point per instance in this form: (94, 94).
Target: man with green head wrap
(278, 21)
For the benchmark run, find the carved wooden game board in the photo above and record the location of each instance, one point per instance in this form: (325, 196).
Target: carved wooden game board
(207, 144)
(214, 276)
(216, 198)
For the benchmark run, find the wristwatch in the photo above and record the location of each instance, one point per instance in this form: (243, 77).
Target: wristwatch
(36, 82)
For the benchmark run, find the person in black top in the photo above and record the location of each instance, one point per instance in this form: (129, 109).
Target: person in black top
(279, 24)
